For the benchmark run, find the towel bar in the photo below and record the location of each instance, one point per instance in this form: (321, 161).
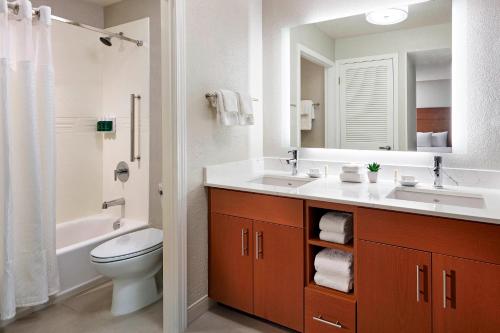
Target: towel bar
(315, 105)
(212, 98)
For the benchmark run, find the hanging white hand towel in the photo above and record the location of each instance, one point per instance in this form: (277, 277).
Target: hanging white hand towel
(227, 107)
(246, 113)
(306, 115)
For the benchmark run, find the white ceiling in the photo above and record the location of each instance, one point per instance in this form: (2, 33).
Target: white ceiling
(431, 57)
(103, 3)
(421, 14)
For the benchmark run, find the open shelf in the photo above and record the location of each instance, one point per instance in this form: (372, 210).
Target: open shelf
(349, 247)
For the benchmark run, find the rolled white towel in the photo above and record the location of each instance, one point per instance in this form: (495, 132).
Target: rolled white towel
(351, 177)
(333, 261)
(335, 237)
(352, 168)
(336, 222)
(333, 281)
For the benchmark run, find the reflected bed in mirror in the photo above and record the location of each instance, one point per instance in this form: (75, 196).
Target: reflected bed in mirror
(359, 85)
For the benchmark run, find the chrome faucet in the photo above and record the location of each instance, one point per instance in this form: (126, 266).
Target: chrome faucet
(294, 161)
(438, 171)
(116, 202)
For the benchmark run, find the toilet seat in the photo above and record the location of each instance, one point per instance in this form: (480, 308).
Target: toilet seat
(128, 246)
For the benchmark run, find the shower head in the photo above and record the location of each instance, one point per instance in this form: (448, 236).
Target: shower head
(106, 41)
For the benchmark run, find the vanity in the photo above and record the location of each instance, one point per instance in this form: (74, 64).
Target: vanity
(415, 270)
(425, 260)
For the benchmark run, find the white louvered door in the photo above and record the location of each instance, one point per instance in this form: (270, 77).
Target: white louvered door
(367, 104)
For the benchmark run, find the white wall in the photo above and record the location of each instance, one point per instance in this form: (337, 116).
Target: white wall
(476, 86)
(78, 102)
(435, 94)
(223, 51)
(78, 10)
(126, 71)
(127, 11)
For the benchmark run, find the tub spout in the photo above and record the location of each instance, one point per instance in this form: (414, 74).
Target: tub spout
(116, 202)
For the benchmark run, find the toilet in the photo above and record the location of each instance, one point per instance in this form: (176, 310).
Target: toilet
(131, 261)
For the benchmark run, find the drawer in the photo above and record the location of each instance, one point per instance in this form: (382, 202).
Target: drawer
(267, 208)
(328, 314)
(459, 238)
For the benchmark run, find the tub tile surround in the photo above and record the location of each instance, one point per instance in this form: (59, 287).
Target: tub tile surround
(236, 176)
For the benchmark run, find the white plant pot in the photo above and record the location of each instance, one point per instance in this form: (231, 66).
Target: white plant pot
(372, 176)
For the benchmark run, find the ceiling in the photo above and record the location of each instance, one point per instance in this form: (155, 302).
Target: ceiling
(440, 57)
(103, 3)
(422, 14)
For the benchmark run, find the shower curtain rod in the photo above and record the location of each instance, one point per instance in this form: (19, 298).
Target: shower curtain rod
(15, 9)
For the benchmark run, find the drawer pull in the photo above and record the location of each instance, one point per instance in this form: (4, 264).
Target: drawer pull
(337, 324)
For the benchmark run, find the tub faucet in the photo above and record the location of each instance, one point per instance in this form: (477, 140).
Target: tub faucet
(438, 171)
(294, 161)
(116, 202)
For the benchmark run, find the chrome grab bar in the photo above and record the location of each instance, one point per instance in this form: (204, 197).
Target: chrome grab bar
(133, 157)
(326, 322)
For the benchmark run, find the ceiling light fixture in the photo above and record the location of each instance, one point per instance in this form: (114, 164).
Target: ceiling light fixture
(387, 16)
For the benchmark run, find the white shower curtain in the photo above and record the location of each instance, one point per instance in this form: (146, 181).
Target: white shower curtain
(28, 263)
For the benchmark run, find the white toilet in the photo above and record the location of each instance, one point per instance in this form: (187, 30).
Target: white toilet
(131, 261)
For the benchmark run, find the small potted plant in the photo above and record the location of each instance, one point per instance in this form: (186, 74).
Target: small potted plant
(373, 169)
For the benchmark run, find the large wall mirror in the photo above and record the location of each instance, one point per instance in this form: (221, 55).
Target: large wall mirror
(376, 81)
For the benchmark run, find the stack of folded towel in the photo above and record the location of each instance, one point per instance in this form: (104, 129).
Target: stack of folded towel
(336, 227)
(351, 173)
(334, 270)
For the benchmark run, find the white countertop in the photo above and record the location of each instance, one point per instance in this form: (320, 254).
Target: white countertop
(237, 176)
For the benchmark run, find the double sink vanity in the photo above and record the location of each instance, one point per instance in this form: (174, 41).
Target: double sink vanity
(425, 259)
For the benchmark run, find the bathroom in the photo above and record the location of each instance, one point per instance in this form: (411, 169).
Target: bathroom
(415, 184)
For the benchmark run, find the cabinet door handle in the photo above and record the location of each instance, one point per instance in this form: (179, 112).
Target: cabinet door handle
(337, 324)
(244, 242)
(444, 290)
(258, 245)
(418, 283)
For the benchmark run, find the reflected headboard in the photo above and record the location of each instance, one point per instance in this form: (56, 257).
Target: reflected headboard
(434, 120)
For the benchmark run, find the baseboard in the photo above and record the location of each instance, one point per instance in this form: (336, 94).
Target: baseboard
(198, 308)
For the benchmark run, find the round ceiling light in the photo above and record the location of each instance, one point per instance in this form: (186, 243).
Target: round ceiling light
(387, 16)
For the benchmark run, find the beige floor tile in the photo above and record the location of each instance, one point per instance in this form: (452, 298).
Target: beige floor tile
(89, 312)
(224, 320)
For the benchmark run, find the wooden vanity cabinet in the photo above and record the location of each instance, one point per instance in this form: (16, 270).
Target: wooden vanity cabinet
(393, 289)
(256, 256)
(427, 274)
(231, 261)
(466, 295)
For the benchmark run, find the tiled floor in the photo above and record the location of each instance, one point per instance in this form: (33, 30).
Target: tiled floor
(223, 320)
(89, 313)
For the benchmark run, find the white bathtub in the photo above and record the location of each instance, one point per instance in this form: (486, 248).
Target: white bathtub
(75, 239)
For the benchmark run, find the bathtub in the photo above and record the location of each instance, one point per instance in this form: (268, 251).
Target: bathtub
(74, 241)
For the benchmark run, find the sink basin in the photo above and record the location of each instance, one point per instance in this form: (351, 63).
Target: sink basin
(438, 196)
(282, 181)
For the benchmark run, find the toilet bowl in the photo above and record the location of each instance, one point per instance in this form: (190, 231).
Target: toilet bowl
(131, 261)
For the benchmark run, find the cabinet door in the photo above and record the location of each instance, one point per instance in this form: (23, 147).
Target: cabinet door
(279, 274)
(231, 261)
(466, 295)
(393, 289)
